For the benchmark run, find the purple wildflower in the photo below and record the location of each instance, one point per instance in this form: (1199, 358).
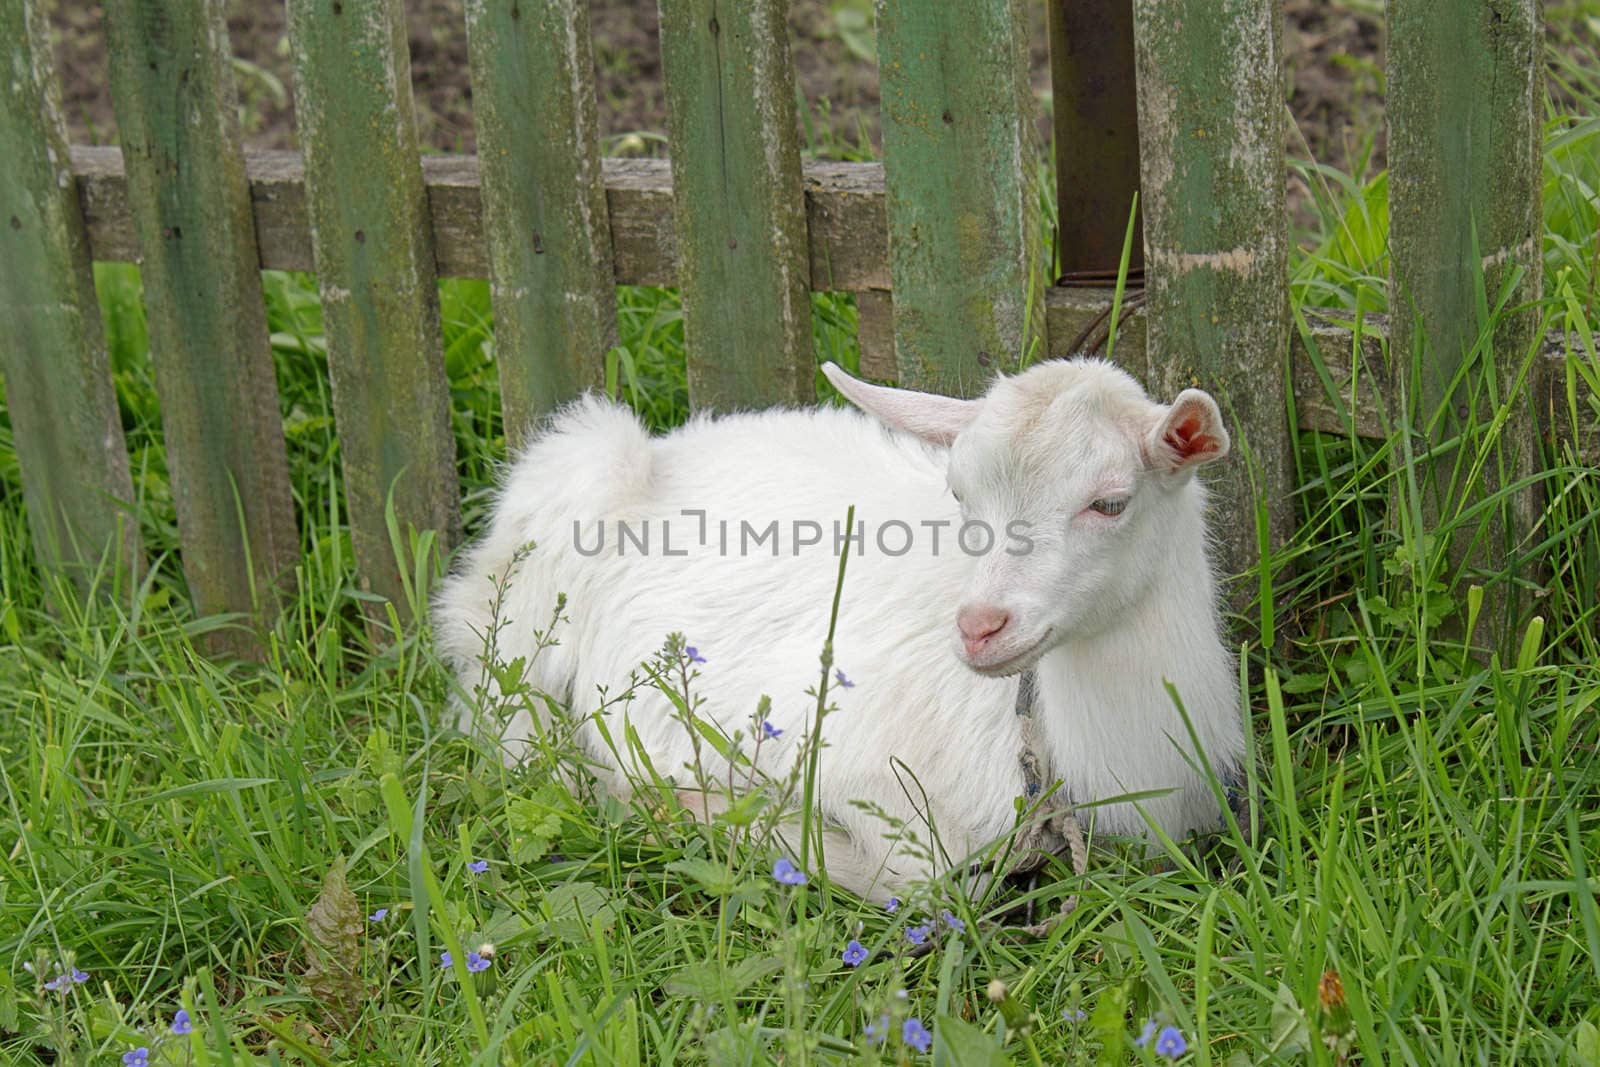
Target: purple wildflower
(694, 654)
(952, 922)
(79, 977)
(916, 1035)
(139, 1057)
(58, 983)
(1149, 1031)
(378, 916)
(478, 866)
(918, 934)
(181, 1024)
(446, 960)
(893, 905)
(855, 953)
(1170, 1043)
(843, 681)
(769, 730)
(878, 1030)
(785, 872)
(476, 963)
(1074, 1015)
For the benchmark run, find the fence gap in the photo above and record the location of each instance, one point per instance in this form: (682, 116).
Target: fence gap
(961, 170)
(371, 239)
(1464, 109)
(63, 407)
(1211, 125)
(544, 202)
(743, 254)
(177, 114)
(1095, 112)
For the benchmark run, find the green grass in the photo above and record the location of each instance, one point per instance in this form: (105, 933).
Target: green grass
(1428, 818)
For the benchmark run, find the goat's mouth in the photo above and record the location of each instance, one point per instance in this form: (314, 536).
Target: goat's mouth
(1013, 664)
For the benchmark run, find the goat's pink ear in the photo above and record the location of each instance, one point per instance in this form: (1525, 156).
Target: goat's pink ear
(934, 418)
(1187, 434)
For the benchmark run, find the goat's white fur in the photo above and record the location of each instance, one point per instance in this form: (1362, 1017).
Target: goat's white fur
(1116, 606)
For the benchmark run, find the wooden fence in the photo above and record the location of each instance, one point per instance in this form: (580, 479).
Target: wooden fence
(941, 242)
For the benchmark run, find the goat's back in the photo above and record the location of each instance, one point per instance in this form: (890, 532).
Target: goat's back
(713, 513)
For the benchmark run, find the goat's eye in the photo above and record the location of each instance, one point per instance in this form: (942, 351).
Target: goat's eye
(1110, 505)
(955, 494)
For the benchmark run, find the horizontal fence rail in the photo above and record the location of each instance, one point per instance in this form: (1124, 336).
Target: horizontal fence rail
(848, 253)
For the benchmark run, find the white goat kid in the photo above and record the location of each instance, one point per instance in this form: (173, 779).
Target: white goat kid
(1095, 578)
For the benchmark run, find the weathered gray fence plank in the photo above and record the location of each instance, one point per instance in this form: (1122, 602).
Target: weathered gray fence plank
(59, 395)
(1465, 195)
(177, 115)
(544, 200)
(961, 171)
(741, 221)
(374, 259)
(1216, 236)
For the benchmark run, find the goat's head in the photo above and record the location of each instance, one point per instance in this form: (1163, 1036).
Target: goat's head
(1083, 480)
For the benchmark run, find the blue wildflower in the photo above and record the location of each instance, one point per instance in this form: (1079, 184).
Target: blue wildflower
(139, 1057)
(769, 730)
(918, 934)
(478, 866)
(843, 681)
(181, 1024)
(952, 922)
(1149, 1031)
(378, 916)
(1074, 1015)
(878, 1031)
(893, 905)
(476, 963)
(58, 983)
(916, 1035)
(445, 959)
(694, 654)
(855, 953)
(1170, 1043)
(786, 873)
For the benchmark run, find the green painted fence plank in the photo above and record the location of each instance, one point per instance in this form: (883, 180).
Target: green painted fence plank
(374, 259)
(961, 169)
(544, 202)
(1211, 107)
(738, 203)
(1465, 202)
(177, 115)
(63, 408)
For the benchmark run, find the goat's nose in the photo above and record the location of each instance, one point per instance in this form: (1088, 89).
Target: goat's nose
(978, 623)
